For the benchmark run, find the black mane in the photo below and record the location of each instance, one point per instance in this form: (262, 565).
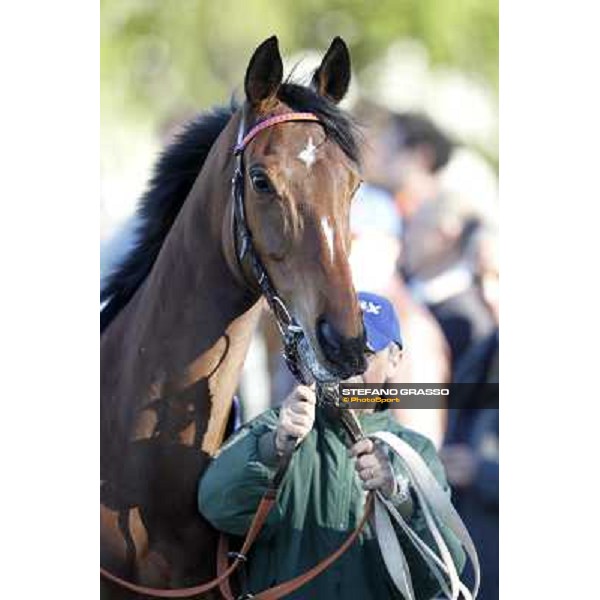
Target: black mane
(175, 173)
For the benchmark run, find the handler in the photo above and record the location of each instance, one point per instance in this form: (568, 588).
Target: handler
(322, 496)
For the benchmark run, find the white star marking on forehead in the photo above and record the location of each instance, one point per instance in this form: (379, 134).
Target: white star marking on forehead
(307, 156)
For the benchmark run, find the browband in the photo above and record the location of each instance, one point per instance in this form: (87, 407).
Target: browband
(266, 123)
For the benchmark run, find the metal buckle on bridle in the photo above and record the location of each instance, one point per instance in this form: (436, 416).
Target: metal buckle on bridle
(242, 574)
(328, 393)
(294, 360)
(284, 319)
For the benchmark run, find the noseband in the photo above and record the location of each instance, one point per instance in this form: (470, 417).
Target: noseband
(249, 260)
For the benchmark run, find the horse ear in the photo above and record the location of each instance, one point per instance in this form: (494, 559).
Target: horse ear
(332, 78)
(264, 73)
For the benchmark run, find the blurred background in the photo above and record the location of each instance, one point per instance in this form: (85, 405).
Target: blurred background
(163, 60)
(424, 224)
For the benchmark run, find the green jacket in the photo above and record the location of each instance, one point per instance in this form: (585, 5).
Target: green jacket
(320, 502)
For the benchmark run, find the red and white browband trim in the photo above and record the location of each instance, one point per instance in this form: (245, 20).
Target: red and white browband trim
(293, 116)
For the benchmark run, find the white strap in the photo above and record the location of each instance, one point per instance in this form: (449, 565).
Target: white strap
(437, 510)
(392, 552)
(441, 544)
(436, 566)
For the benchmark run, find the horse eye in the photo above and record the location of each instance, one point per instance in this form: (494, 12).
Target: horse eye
(261, 183)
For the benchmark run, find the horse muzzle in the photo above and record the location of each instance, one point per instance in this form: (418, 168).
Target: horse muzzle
(345, 356)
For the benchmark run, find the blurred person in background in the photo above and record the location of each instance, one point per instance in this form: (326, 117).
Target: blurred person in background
(407, 153)
(441, 274)
(483, 254)
(376, 249)
(471, 458)
(414, 159)
(480, 363)
(471, 448)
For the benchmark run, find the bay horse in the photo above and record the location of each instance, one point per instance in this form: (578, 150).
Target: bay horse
(181, 307)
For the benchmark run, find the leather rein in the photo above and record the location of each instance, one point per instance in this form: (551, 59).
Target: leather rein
(292, 335)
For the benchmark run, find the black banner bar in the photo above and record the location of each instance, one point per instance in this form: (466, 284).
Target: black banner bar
(421, 395)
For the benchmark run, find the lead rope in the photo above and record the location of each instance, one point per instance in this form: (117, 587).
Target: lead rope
(436, 507)
(326, 393)
(438, 512)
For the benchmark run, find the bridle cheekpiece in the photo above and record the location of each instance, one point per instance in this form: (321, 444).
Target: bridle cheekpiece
(247, 257)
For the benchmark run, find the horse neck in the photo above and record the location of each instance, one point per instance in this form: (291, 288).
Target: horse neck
(190, 322)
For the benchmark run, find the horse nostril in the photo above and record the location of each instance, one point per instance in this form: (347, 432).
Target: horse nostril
(346, 355)
(361, 363)
(329, 338)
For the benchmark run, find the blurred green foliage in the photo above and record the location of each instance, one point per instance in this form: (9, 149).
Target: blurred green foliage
(162, 58)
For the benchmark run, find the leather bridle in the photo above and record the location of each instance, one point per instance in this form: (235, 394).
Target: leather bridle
(249, 260)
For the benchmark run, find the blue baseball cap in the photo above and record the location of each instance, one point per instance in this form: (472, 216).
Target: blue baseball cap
(381, 322)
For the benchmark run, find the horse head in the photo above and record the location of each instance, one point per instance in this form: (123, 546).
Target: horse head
(298, 182)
